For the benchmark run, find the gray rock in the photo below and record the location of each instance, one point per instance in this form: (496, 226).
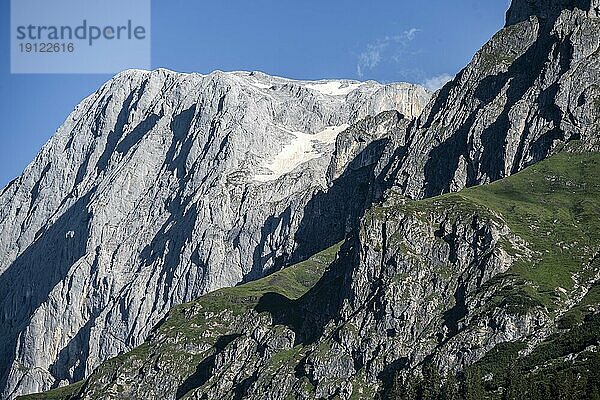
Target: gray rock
(414, 284)
(158, 188)
(417, 281)
(528, 92)
(409, 284)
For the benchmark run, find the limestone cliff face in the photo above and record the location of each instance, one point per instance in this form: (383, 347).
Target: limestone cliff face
(158, 188)
(441, 281)
(532, 88)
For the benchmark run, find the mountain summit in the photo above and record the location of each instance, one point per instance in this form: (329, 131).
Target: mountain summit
(158, 188)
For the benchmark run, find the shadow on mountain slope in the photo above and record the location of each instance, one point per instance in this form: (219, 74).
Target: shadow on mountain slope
(29, 280)
(330, 216)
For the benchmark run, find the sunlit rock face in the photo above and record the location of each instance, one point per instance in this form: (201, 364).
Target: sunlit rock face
(530, 90)
(441, 281)
(164, 186)
(158, 188)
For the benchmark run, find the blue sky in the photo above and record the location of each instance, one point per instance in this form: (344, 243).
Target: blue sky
(388, 41)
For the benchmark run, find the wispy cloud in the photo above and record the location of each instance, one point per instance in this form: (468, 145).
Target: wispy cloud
(392, 47)
(436, 82)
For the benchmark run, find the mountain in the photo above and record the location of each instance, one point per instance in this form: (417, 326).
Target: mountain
(453, 255)
(473, 279)
(161, 187)
(530, 90)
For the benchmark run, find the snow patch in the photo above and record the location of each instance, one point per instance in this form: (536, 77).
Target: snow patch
(334, 88)
(261, 85)
(303, 148)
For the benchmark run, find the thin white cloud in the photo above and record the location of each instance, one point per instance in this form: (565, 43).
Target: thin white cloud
(410, 34)
(437, 82)
(370, 58)
(374, 53)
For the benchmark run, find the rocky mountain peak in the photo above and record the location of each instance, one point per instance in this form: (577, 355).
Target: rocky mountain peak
(522, 10)
(158, 188)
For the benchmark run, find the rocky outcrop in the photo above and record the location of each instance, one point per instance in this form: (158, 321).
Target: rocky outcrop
(363, 143)
(530, 90)
(158, 188)
(521, 10)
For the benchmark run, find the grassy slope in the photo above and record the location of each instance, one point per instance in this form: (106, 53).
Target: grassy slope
(554, 206)
(66, 392)
(291, 282)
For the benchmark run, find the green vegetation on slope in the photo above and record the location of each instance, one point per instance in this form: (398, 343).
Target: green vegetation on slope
(564, 366)
(64, 393)
(554, 206)
(203, 322)
(291, 283)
